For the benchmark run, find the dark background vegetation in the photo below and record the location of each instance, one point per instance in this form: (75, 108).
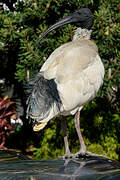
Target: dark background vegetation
(21, 24)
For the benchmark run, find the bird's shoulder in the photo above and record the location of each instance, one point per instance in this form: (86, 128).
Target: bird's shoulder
(69, 48)
(53, 59)
(71, 57)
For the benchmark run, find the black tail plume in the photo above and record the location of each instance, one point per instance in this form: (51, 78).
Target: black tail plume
(42, 94)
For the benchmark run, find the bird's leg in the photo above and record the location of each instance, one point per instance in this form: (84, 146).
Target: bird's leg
(83, 151)
(64, 127)
(77, 125)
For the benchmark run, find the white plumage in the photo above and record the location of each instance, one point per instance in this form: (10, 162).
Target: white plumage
(78, 73)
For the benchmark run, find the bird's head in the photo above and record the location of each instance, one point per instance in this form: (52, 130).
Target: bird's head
(83, 17)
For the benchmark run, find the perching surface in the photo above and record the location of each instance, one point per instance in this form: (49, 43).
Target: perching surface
(14, 166)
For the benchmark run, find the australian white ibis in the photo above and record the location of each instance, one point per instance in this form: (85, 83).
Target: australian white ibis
(70, 77)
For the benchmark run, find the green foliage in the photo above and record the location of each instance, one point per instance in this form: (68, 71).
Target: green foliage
(106, 32)
(19, 32)
(103, 140)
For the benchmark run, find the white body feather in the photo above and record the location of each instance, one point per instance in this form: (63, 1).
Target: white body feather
(78, 72)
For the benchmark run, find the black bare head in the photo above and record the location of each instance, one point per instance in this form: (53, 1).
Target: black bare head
(83, 17)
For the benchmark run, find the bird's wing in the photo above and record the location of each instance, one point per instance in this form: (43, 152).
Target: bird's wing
(77, 70)
(69, 59)
(69, 78)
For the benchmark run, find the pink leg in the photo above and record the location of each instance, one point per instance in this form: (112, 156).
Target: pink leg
(64, 127)
(83, 150)
(77, 125)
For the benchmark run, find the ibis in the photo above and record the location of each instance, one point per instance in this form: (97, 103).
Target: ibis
(70, 77)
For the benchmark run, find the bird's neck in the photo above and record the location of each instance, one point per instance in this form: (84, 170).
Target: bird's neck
(82, 34)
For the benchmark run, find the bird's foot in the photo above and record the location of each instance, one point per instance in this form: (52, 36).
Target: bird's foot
(81, 154)
(84, 154)
(67, 156)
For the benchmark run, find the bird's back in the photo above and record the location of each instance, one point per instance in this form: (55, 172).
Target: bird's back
(70, 58)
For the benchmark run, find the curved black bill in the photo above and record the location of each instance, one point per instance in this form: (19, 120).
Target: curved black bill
(62, 22)
(84, 16)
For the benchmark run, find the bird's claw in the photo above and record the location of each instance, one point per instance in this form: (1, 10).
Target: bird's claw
(67, 156)
(84, 154)
(81, 154)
